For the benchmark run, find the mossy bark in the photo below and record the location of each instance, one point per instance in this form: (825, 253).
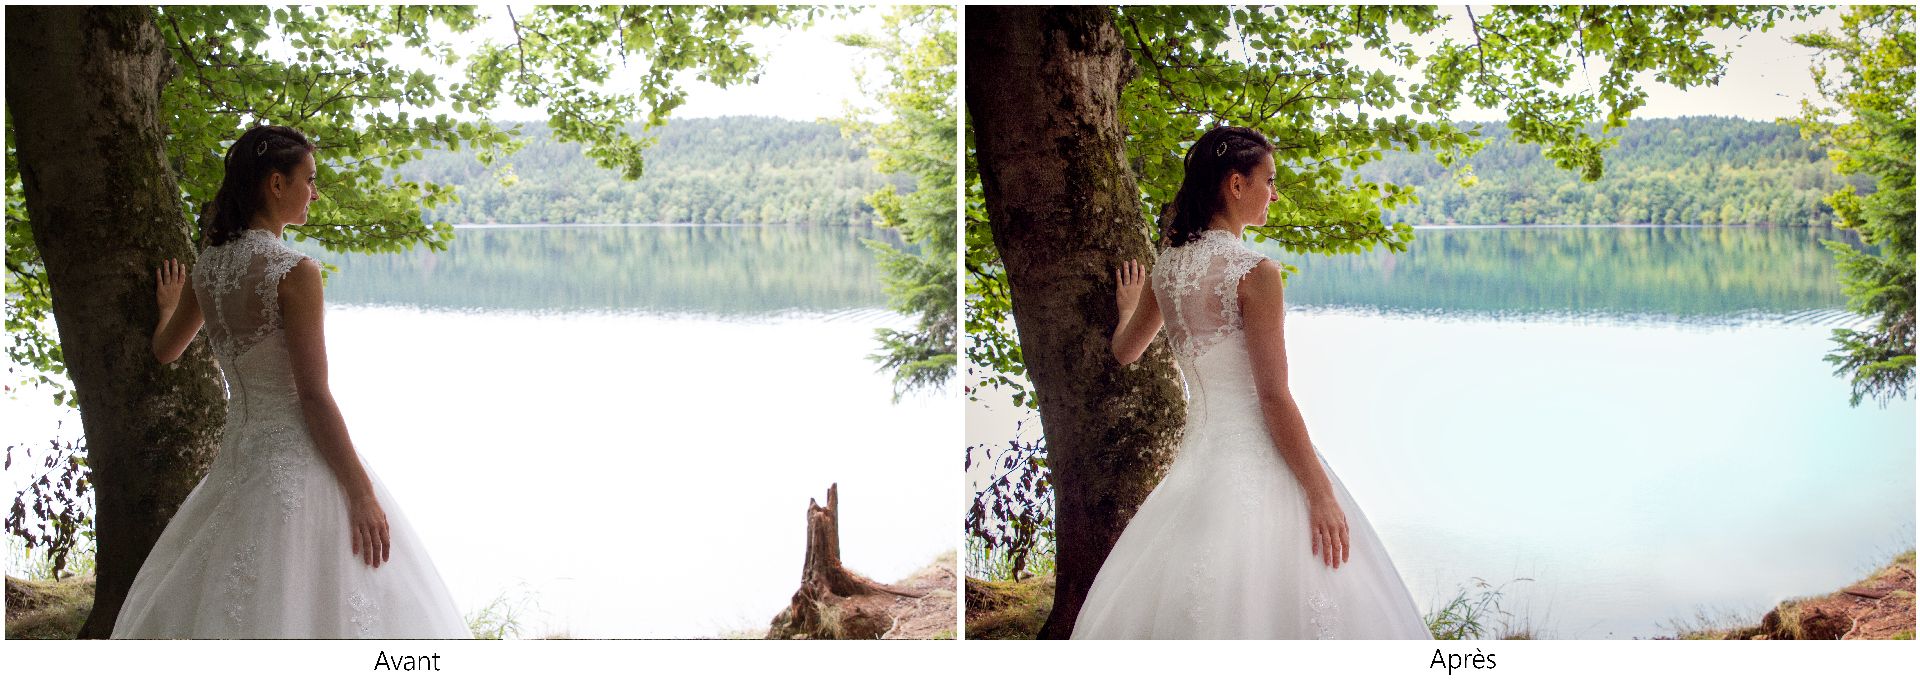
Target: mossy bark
(83, 91)
(1043, 94)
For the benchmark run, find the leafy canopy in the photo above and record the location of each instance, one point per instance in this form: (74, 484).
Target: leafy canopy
(1869, 130)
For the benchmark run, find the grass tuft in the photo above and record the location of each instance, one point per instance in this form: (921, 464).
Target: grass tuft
(1474, 612)
(502, 618)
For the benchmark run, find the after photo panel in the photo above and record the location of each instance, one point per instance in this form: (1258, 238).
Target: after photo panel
(1452, 323)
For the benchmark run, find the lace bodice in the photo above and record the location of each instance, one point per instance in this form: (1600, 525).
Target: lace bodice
(1197, 287)
(238, 286)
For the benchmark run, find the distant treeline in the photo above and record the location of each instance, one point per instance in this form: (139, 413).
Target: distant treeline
(763, 170)
(1687, 170)
(724, 170)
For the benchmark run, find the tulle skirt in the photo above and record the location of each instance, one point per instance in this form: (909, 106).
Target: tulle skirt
(1221, 550)
(262, 551)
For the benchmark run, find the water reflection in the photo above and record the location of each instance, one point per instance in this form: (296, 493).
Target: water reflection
(1686, 274)
(728, 271)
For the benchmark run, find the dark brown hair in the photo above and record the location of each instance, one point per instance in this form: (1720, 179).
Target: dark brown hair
(260, 152)
(1219, 153)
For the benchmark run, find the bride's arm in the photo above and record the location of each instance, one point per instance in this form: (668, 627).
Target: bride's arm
(1139, 313)
(179, 312)
(1263, 311)
(301, 311)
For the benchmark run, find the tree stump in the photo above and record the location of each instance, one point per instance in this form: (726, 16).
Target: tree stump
(834, 602)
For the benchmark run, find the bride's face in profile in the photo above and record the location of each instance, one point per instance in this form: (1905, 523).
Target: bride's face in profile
(289, 195)
(1248, 196)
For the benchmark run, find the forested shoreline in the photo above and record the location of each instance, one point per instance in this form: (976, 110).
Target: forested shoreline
(720, 170)
(763, 170)
(1683, 170)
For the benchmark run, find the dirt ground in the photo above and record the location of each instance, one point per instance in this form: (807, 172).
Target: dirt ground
(933, 616)
(1878, 607)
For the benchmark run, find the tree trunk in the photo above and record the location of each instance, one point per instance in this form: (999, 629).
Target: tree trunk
(1043, 92)
(83, 90)
(834, 602)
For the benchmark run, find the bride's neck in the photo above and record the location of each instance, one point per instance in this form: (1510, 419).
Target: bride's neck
(1221, 223)
(272, 227)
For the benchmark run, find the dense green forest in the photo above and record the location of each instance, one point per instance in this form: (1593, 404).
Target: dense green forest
(763, 170)
(1687, 170)
(747, 170)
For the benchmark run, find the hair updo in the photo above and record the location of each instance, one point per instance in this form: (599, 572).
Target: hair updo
(260, 152)
(1219, 153)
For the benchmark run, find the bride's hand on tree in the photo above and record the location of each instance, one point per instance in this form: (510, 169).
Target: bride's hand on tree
(1132, 278)
(170, 278)
(372, 541)
(1329, 525)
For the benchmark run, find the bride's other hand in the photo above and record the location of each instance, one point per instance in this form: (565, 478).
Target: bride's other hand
(1139, 314)
(372, 541)
(1329, 525)
(179, 312)
(169, 279)
(1131, 279)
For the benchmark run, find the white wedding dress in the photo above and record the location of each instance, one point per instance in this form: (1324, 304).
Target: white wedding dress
(260, 548)
(1221, 549)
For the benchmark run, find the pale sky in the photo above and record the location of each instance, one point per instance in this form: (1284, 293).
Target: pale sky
(1765, 79)
(806, 75)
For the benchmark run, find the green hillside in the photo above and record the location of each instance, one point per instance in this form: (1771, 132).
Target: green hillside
(1687, 170)
(748, 170)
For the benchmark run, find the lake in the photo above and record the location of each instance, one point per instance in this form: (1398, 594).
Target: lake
(615, 429)
(1636, 419)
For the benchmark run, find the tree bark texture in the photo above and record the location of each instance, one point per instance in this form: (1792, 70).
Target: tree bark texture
(834, 602)
(84, 93)
(1043, 94)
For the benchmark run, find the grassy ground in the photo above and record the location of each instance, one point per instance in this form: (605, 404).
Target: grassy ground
(44, 609)
(38, 609)
(1881, 606)
(1008, 609)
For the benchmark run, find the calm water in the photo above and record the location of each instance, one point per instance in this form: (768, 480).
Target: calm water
(1637, 419)
(616, 429)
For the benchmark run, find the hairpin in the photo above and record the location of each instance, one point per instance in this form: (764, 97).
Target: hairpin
(1222, 150)
(260, 149)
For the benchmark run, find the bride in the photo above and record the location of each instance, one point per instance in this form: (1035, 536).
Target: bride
(289, 535)
(1250, 535)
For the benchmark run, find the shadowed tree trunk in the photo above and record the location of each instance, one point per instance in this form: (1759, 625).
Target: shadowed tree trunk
(83, 91)
(1043, 94)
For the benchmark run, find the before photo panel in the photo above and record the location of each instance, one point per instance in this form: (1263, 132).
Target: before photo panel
(502, 322)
